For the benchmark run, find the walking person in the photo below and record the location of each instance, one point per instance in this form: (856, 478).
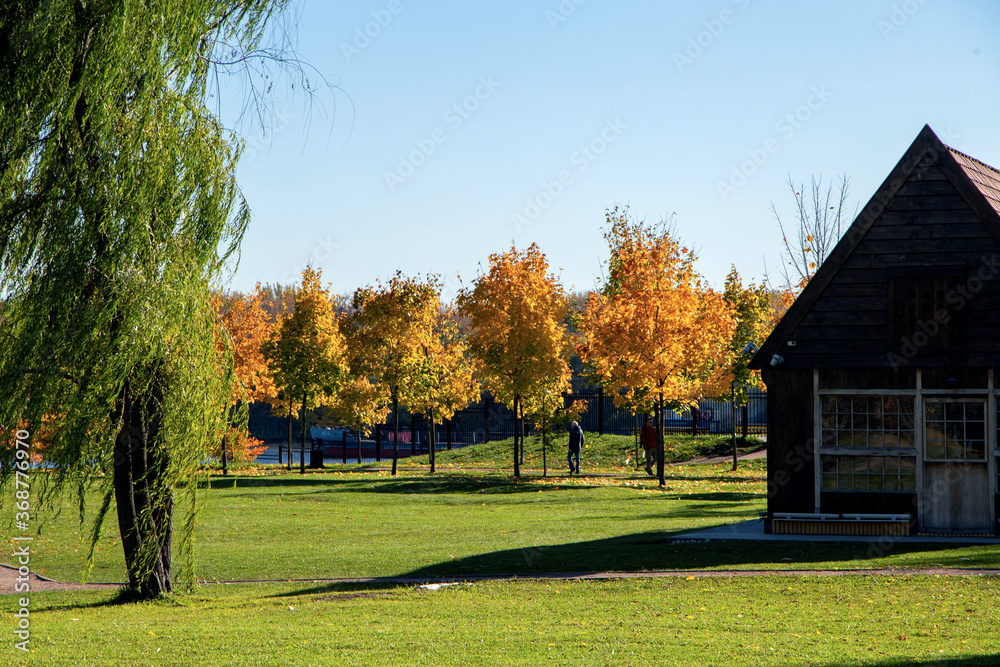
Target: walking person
(647, 436)
(575, 444)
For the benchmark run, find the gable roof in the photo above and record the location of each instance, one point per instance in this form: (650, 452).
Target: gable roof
(977, 182)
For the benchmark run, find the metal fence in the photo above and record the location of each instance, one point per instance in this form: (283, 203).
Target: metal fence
(489, 420)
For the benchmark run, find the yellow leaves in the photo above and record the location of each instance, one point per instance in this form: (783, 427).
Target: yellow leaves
(307, 353)
(655, 328)
(516, 312)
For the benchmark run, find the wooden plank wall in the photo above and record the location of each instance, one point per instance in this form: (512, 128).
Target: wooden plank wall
(790, 476)
(929, 225)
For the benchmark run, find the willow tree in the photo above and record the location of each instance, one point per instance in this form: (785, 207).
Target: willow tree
(118, 208)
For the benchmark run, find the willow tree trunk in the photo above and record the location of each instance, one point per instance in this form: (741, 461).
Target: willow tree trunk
(143, 496)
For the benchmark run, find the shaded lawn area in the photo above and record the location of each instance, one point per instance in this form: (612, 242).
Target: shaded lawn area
(324, 525)
(772, 620)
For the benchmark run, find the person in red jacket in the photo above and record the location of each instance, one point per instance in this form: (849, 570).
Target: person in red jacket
(647, 435)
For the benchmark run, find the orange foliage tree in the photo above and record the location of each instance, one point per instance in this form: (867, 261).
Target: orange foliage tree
(307, 354)
(518, 336)
(656, 334)
(245, 326)
(386, 336)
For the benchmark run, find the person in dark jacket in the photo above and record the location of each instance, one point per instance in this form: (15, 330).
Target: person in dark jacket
(575, 444)
(647, 436)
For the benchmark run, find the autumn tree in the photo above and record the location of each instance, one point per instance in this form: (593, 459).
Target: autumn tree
(386, 334)
(307, 354)
(656, 332)
(118, 208)
(446, 382)
(244, 327)
(516, 313)
(753, 312)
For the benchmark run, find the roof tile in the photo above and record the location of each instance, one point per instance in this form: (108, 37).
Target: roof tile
(986, 178)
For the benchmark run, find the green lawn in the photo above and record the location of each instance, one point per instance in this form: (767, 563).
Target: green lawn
(354, 524)
(601, 453)
(325, 525)
(775, 620)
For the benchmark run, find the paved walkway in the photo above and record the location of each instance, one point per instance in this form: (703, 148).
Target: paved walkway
(754, 531)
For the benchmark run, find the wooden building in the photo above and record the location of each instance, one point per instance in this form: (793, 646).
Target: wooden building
(882, 378)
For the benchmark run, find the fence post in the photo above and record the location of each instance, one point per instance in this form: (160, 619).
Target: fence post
(745, 413)
(378, 442)
(694, 421)
(343, 448)
(447, 431)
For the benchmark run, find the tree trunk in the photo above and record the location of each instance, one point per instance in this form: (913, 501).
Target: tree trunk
(359, 443)
(545, 465)
(302, 444)
(431, 442)
(395, 431)
(659, 440)
(736, 453)
(144, 499)
(225, 463)
(517, 462)
(289, 436)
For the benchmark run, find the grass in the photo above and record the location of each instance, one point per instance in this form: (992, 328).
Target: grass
(823, 621)
(601, 453)
(361, 524)
(371, 524)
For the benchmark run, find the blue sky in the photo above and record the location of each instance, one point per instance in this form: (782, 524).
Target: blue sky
(462, 127)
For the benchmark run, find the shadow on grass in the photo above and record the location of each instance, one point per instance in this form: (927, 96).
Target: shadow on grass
(462, 483)
(974, 661)
(117, 598)
(656, 550)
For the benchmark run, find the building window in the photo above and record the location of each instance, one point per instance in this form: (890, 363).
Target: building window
(869, 473)
(955, 430)
(922, 319)
(876, 429)
(868, 422)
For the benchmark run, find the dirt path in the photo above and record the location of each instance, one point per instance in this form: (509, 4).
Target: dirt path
(8, 576)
